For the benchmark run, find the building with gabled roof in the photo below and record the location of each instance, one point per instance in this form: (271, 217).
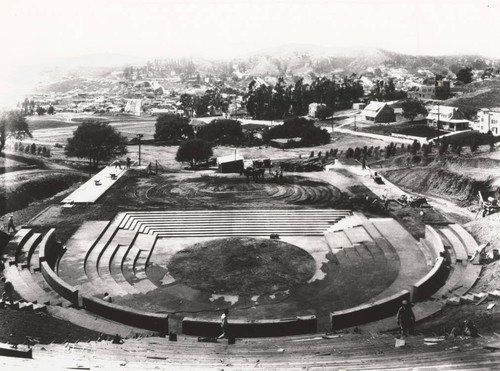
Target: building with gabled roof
(449, 118)
(379, 112)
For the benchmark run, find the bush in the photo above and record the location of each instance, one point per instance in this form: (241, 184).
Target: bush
(27, 148)
(33, 148)
(349, 153)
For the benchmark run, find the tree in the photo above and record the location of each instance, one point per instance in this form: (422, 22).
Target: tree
(193, 151)
(412, 108)
(40, 111)
(97, 141)
(173, 127)
(465, 75)
(51, 110)
(13, 124)
(223, 131)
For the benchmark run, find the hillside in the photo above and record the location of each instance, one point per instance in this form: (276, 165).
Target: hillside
(476, 95)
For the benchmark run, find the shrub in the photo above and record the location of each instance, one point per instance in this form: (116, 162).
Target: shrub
(357, 153)
(349, 153)
(33, 148)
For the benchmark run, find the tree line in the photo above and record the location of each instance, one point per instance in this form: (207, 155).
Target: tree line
(264, 102)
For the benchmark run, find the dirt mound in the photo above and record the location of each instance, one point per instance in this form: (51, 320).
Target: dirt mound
(438, 181)
(21, 188)
(242, 266)
(489, 279)
(486, 230)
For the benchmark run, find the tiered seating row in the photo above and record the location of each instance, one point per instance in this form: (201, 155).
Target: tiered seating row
(25, 284)
(225, 223)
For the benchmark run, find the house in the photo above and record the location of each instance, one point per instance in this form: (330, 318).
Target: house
(423, 92)
(449, 118)
(134, 106)
(197, 124)
(488, 120)
(314, 107)
(230, 164)
(379, 112)
(440, 89)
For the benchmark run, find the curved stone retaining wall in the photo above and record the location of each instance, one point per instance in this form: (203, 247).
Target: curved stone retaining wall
(434, 241)
(49, 249)
(251, 329)
(369, 312)
(61, 287)
(431, 282)
(147, 320)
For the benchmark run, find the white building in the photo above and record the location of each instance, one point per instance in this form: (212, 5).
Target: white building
(488, 120)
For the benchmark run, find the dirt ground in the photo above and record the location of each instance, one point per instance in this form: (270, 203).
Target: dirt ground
(242, 266)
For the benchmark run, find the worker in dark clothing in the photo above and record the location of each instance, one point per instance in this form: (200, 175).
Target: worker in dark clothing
(8, 289)
(406, 319)
(10, 225)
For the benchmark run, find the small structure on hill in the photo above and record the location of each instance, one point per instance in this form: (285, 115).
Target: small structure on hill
(230, 164)
(314, 107)
(448, 118)
(379, 112)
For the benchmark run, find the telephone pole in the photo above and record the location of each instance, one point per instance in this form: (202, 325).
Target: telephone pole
(438, 122)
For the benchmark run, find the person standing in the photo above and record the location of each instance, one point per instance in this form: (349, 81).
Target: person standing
(8, 289)
(224, 324)
(128, 162)
(11, 224)
(406, 319)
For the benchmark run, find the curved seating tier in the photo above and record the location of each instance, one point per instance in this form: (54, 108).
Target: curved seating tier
(251, 329)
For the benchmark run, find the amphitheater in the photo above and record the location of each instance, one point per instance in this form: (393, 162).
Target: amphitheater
(361, 268)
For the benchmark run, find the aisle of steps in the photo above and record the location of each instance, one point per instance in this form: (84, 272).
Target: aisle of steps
(133, 264)
(233, 223)
(23, 271)
(346, 352)
(463, 274)
(37, 295)
(459, 282)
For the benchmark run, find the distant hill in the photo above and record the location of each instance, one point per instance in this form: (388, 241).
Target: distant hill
(481, 94)
(299, 59)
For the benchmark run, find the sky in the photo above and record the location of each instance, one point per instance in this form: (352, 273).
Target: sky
(34, 32)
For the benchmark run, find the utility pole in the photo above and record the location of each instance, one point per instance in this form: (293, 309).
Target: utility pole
(139, 136)
(438, 122)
